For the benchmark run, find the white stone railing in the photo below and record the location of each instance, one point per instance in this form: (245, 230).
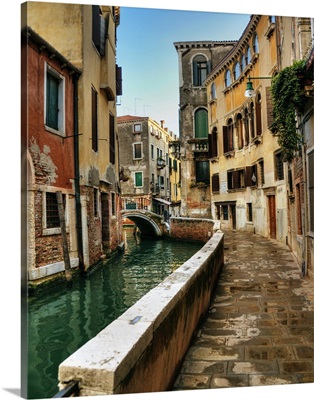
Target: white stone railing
(142, 350)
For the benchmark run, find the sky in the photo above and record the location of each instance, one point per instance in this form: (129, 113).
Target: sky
(11, 152)
(149, 60)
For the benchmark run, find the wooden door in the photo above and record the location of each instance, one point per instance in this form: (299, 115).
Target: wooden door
(272, 216)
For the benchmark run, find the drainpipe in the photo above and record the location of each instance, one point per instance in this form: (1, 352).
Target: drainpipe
(78, 208)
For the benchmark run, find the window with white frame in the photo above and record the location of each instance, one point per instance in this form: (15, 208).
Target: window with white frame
(137, 151)
(51, 219)
(54, 100)
(137, 127)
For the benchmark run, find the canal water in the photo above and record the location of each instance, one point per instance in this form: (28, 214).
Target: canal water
(63, 320)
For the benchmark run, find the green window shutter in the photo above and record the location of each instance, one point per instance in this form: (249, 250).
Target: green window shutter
(138, 179)
(201, 123)
(52, 101)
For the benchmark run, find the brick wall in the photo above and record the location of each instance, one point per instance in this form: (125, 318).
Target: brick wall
(191, 229)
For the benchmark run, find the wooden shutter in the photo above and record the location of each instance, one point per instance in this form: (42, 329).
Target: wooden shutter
(119, 80)
(248, 176)
(236, 179)
(94, 121)
(112, 139)
(225, 138)
(269, 106)
(215, 183)
(258, 116)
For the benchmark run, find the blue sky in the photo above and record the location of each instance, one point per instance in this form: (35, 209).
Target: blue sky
(149, 60)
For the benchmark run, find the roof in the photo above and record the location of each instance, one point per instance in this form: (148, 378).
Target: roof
(129, 118)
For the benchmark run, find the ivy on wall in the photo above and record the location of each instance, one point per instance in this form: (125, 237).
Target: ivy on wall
(288, 100)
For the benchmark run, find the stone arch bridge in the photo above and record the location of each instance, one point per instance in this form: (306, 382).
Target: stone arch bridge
(149, 223)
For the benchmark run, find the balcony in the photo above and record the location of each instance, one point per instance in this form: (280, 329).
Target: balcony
(199, 145)
(161, 163)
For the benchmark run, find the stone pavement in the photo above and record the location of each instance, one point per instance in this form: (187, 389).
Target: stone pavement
(260, 326)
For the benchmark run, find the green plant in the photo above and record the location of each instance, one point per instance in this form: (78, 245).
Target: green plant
(288, 99)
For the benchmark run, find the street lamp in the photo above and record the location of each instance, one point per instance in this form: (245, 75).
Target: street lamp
(249, 85)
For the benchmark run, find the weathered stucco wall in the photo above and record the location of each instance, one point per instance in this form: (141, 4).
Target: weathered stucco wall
(142, 349)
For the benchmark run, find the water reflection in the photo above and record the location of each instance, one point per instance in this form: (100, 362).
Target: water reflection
(64, 319)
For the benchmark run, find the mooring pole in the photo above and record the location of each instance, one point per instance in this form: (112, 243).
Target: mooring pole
(66, 257)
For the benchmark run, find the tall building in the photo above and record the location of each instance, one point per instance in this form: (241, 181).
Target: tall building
(150, 169)
(86, 37)
(299, 33)
(196, 60)
(247, 170)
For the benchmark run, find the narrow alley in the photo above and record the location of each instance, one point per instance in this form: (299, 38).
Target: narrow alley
(259, 329)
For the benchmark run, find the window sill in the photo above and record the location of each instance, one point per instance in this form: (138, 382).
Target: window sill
(54, 131)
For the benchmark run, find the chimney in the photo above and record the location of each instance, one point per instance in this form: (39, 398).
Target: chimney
(162, 123)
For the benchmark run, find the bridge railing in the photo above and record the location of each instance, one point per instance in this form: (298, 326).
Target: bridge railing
(141, 203)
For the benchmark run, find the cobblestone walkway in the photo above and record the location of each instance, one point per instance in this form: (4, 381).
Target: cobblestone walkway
(260, 326)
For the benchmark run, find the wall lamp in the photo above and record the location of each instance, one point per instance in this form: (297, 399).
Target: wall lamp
(249, 85)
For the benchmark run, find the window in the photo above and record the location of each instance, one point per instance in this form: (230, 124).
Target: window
(213, 92)
(227, 78)
(112, 149)
(137, 128)
(99, 30)
(215, 183)
(244, 62)
(311, 189)
(246, 127)
(138, 179)
(201, 123)
(260, 172)
(250, 176)
(202, 171)
(228, 136)
(239, 125)
(249, 212)
(200, 70)
(52, 212)
(299, 208)
(248, 55)
(54, 106)
(258, 114)
(113, 203)
(137, 151)
(95, 203)
(236, 71)
(152, 151)
(213, 143)
(94, 95)
(225, 212)
(279, 171)
(175, 165)
(255, 44)
(252, 118)
(236, 179)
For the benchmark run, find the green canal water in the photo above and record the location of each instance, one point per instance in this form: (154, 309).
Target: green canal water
(63, 320)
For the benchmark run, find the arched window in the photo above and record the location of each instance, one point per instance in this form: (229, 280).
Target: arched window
(227, 78)
(255, 44)
(248, 55)
(213, 143)
(236, 71)
(252, 118)
(201, 123)
(213, 92)
(200, 70)
(246, 127)
(239, 125)
(228, 136)
(244, 62)
(258, 113)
